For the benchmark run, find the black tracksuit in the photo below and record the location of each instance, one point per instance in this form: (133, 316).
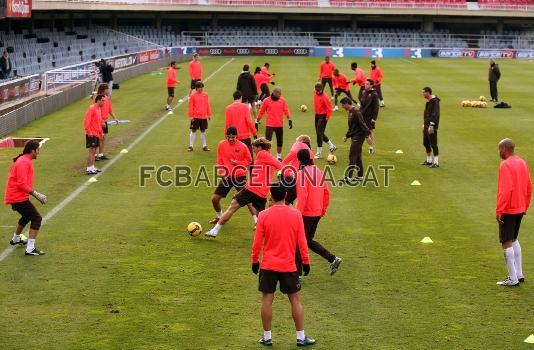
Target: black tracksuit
(357, 132)
(431, 118)
(369, 107)
(246, 84)
(494, 75)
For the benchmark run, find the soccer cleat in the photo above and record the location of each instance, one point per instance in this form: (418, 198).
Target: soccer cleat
(21, 241)
(168, 108)
(214, 221)
(318, 156)
(206, 149)
(97, 159)
(335, 265)
(266, 342)
(333, 149)
(91, 172)
(211, 233)
(335, 109)
(345, 181)
(97, 170)
(305, 342)
(434, 165)
(426, 163)
(371, 150)
(507, 282)
(521, 279)
(190, 149)
(279, 159)
(103, 157)
(382, 104)
(35, 251)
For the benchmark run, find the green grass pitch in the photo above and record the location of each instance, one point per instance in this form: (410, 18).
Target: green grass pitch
(121, 272)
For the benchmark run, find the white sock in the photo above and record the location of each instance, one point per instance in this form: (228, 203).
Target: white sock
(255, 218)
(278, 155)
(217, 228)
(192, 137)
(509, 257)
(16, 238)
(31, 245)
(168, 106)
(429, 159)
(89, 168)
(331, 144)
(517, 255)
(266, 335)
(301, 335)
(219, 213)
(319, 150)
(371, 147)
(436, 159)
(100, 155)
(203, 139)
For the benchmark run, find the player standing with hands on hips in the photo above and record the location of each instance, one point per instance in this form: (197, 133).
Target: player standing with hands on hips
(280, 230)
(430, 128)
(19, 187)
(514, 191)
(171, 84)
(195, 72)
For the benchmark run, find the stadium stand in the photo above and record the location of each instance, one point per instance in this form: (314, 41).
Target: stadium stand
(258, 36)
(512, 5)
(447, 4)
(165, 36)
(269, 3)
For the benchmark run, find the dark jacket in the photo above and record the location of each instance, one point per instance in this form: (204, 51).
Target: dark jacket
(494, 73)
(357, 128)
(106, 71)
(247, 85)
(4, 65)
(431, 115)
(369, 105)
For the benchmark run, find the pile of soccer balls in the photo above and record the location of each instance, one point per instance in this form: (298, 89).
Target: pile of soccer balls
(481, 103)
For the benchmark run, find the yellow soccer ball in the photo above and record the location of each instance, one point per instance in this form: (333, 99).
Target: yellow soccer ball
(464, 103)
(331, 159)
(483, 104)
(483, 98)
(303, 108)
(468, 104)
(194, 229)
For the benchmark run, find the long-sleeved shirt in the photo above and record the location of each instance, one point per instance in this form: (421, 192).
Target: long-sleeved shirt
(327, 70)
(246, 84)
(199, 106)
(171, 77)
(377, 75)
(262, 172)
(431, 114)
(313, 194)
(281, 230)
(359, 77)
(261, 79)
(276, 110)
(370, 105)
(92, 122)
(494, 73)
(19, 180)
(195, 70)
(106, 109)
(322, 104)
(341, 82)
(357, 127)
(238, 115)
(233, 160)
(514, 188)
(291, 163)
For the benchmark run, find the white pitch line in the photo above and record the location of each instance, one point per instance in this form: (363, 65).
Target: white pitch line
(112, 161)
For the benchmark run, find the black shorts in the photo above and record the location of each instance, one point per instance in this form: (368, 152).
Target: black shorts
(248, 143)
(279, 131)
(197, 123)
(226, 184)
(370, 124)
(249, 99)
(105, 127)
(170, 91)
(268, 279)
(509, 229)
(245, 197)
(91, 141)
(193, 83)
(28, 213)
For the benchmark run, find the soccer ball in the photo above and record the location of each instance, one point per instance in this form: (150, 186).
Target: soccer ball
(465, 103)
(483, 104)
(303, 108)
(476, 104)
(194, 229)
(483, 98)
(331, 159)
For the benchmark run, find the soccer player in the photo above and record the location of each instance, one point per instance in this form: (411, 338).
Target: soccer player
(494, 75)
(233, 159)
(323, 111)
(369, 109)
(280, 231)
(341, 85)
(359, 78)
(238, 115)
(514, 191)
(171, 84)
(376, 75)
(325, 74)
(291, 165)
(276, 108)
(261, 84)
(313, 198)
(357, 132)
(92, 124)
(199, 113)
(430, 128)
(195, 71)
(255, 192)
(105, 111)
(246, 84)
(19, 187)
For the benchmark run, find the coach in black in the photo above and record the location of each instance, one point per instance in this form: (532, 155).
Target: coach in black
(246, 84)
(494, 75)
(357, 132)
(369, 108)
(430, 128)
